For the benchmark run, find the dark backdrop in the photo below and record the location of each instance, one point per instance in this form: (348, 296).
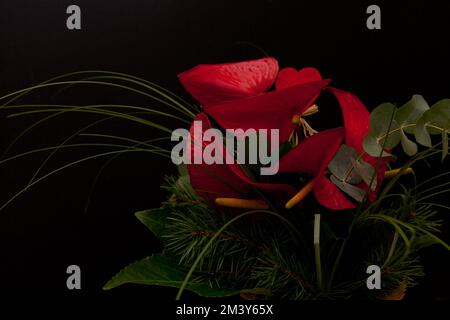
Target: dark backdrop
(46, 229)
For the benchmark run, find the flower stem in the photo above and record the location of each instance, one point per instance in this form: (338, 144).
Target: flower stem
(317, 250)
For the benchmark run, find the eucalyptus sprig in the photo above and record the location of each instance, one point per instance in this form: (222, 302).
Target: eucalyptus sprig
(413, 118)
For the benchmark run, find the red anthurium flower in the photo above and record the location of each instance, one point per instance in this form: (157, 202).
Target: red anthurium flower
(215, 180)
(271, 110)
(312, 157)
(356, 122)
(234, 96)
(228, 180)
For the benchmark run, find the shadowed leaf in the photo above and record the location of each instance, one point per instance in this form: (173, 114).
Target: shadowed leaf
(163, 270)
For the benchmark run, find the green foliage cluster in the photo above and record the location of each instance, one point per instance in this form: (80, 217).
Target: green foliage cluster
(260, 256)
(390, 126)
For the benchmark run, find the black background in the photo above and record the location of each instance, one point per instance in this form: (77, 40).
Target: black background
(46, 229)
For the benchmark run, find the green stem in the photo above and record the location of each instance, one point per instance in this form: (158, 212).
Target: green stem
(317, 250)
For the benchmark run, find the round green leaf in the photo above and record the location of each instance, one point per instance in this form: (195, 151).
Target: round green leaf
(438, 117)
(372, 147)
(410, 112)
(408, 146)
(421, 133)
(384, 127)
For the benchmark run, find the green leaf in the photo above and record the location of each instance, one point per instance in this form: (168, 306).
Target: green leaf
(410, 147)
(410, 112)
(257, 291)
(384, 130)
(421, 133)
(372, 147)
(433, 121)
(366, 172)
(163, 270)
(155, 219)
(383, 125)
(348, 168)
(438, 117)
(342, 166)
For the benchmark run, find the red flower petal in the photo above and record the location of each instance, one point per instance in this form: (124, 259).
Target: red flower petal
(272, 110)
(356, 121)
(356, 118)
(330, 196)
(289, 77)
(215, 180)
(381, 165)
(214, 83)
(314, 153)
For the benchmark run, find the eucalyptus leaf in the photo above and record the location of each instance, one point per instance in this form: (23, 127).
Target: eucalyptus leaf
(163, 270)
(421, 134)
(372, 146)
(384, 126)
(438, 117)
(354, 192)
(384, 131)
(408, 114)
(366, 172)
(410, 147)
(342, 165)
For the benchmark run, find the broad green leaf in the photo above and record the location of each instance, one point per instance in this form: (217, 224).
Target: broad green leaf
(257, 291)
(438, 117)
(163, 270)
(155, 219)
(354, 192)
(421, 133)
(372, 146)
(410, 112)
(410, 147)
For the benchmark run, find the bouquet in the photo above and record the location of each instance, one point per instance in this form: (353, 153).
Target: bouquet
(270, 200)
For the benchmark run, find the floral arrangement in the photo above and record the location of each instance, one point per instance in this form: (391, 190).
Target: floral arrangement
(336, 205)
